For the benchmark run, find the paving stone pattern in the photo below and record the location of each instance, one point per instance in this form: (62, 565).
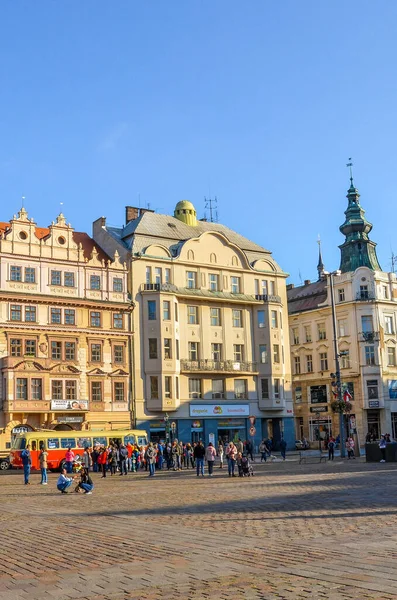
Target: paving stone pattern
(291, 532)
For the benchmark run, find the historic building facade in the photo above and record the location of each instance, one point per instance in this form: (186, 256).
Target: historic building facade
(366, 308)
(210, 324)
(64, 337)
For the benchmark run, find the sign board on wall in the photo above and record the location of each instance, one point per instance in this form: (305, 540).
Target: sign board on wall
(69, 404)
(219, 410)
(373, 404)
(318, 409)
(211, 438)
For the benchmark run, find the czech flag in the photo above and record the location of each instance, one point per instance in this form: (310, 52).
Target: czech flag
(347, 396)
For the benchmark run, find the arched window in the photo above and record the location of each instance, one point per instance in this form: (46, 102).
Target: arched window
(234, 261)
(213, 258)
(190, 255)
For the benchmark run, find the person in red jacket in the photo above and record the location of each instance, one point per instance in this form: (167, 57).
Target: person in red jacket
(103, 461)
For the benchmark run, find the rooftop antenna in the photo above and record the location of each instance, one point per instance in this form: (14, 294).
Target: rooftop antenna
(211, 204)
(300, 277)
(393, 262)
(350, 165)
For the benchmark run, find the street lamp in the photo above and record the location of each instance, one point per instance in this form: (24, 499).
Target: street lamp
(337, 365)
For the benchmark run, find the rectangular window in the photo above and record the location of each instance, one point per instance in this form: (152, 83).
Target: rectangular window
(177, 349)
(277, 388)
(276, 353)
(218, 389)
(16, 273)
(176, 312)
(148, 274)
(118, 321)
(96, 391)
(323, 361)
(274, 319)
(16, 312)
(235, 285)
(96, 352)
(167, 348)
(391, 357)
(372, 389)
(298, 396)
(345, 359)
(308, 334)
(166, 310)
(342, 327)
(215, 316)
(56, 350)
(367, 324)
(272, 288)
(16, 347)
(56, 390)
(297, 361)
(68, 279)
(56, 278)
(95, 319)
(322, 332)
(118, 354)
(22, 388)
(70, 316)
(152, 310)
(295, 335)
(157, 275)
(364, 295)
(119, 395)
(369, 355)
(152, 347)
(117, 284)
(167, 275)
(194, 388)
(167, 387)
(240, 388)
(193, 349)
(341, 295)
(154, 388)
(261, 318)
(238, 353)
(318, 394)
(191, 280)
(95, 282)
(309, 363)
(30, 275)
(216, 352)
(30, 314)
(389, 324)
(192, 315)
(30, 347)
(237, 318)
(36, 389)
(70, 350)
(177, 388)
(265, 389)
(71, 389)
(56, 317)
(214, 282)
(262, 353)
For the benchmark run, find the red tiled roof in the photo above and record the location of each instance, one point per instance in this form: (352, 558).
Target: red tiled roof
(306, 297)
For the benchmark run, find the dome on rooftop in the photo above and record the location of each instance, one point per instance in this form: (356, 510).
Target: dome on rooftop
(185, 212)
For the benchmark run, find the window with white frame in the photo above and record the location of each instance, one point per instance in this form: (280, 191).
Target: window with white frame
(345, 359)
(274, 319)
(193, 349)
(323, 361)
(218, 389)
(276, 353)
(389, 324)
(372, 389)
(194, 388)
(391, 356)
(265, 389)
(369, 355)
(322, 332)
(297, 361)
(342, 327)
(341, 295)
(235, 285)
(309, 363)
(192, 315)
(215, 315)
(214, 282)
(237, 318)
(295, 335)
(262, 353)
(191, 279)
(216, 352)
(238, 353)
(240, 388)
(308, 333)
(261, 318)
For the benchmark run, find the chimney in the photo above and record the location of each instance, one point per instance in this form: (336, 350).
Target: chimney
(307, 282)
(131, 213)
(290, 286)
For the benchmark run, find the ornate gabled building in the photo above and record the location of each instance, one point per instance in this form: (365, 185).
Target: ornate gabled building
(211, 347)
(64, 337)
(366, 307)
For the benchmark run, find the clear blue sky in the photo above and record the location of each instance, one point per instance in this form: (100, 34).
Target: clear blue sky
(259, 103)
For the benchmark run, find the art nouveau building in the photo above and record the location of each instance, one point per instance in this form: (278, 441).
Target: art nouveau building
(64, 334)
(366, 307)
(211, 345)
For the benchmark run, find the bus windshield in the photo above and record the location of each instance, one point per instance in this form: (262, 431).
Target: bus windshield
(19, 443)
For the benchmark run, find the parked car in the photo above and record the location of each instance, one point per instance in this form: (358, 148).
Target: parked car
(302, 444)
(5, 463)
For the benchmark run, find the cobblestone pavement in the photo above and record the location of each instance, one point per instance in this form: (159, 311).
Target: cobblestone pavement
(292, 531)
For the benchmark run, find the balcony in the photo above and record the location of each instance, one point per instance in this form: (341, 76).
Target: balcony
(218, 366)
(369, 336)
(151, 287)
(267, 298)
(365, 296)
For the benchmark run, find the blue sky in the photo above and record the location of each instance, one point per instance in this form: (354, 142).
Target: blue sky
(259, 103)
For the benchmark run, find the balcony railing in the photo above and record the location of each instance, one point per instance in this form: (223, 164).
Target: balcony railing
(226, 366)
(369, 336)
(267, 298)
(151, 287)
(365, 296)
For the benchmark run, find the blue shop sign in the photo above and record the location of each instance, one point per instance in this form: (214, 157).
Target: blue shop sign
(392, 389)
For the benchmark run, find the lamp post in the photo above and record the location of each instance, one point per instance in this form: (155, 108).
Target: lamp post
(337, 365)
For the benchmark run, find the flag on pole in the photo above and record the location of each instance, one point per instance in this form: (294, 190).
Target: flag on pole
(347, 395)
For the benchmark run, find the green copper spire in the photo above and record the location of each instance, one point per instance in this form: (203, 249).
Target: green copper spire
(357, 249)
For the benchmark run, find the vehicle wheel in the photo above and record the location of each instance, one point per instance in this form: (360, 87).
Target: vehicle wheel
(62, 465)
(4, 464)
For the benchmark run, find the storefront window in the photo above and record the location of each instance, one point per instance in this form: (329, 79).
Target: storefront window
(319, 429)
(373, 420)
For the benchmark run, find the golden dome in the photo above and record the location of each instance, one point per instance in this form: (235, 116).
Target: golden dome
(185, 212)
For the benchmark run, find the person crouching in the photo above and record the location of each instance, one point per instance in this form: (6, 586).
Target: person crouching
(64, 482)
(85, 482)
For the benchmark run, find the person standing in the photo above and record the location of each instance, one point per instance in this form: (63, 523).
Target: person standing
(151, 458)
(231, 456)
(69, 458)
(382, 448)
(103, 461)
(210, 454)
(43, 456)
(350, 448)
(283, 447)
(240, 446)
(221, 451)
(249, 446)
(87, 460)
(199, 453)
(263, 449)
(94, 459)
(331, 448)
(27, 462)
(123, 457)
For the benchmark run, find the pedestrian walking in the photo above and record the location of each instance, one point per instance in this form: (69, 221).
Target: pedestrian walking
(69, 458)
(26, 462)
(283, 447)
(231, 456)
(43, 456)
(64, 482)
(210, 454)
(221, 451)
(331, 448)
(249, 448)
(264, 450)
(199, 453)
(382, 447)
(350, 448)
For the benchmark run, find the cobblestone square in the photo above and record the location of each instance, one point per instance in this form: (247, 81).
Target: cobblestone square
(292, 531)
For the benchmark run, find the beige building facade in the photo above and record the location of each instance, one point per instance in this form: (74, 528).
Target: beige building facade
(64, 338)
(210, 324)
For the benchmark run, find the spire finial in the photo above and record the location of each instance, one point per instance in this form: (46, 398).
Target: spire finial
(23, 201)
(350, 165)
(320, 266)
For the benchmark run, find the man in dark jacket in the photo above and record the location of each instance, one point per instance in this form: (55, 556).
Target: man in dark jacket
(123, 455)
(249, 449)
(199, 453)
(26, 461)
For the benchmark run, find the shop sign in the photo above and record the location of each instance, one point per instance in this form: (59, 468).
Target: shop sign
(69, 404)
(252, 431)
(21, 429)
(157, 424)
(69, 419)
(392, 384)
(373, 403)
(227, 423)
(219, 410)
(196, 424)
(318, 409)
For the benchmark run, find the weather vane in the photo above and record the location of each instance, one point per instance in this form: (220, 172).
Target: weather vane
(350, 164)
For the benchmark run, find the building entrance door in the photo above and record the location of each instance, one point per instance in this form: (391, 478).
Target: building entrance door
(230, 435)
